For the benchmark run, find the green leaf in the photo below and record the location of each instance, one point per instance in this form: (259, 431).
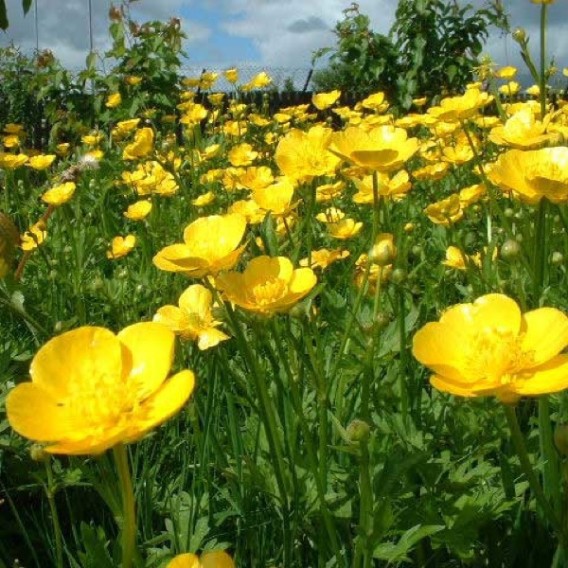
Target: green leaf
(398, 552)
(3, 16)
(26, 5)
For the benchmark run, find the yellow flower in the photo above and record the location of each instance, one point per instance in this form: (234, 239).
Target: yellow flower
(490, 348)
(12, 161)
(211, 245)
(304, 155)
(446, 211)
(132, 80)
(395, 187)
(36, 235)
(510, 89)
(376, 102)
(215, 559)
(41, 161)
(92, 389)
(328, 191)
(121, 246)
(92, 139)
(125, 126)
(59, 194)
(322, 258)
(268, 285)
(543, 1)
(242, 155)
(142, 145)
(461, 107)
(204, 199)
(276, 198)
(260, 81)
(522, 131)
(533, 174)
(113, 100)
(232, 75)
(11, 141)
(63, 148)
(139, 210)
(507, 72)
(193, 319)
(384, 148)
(344, 229)
(324, 100)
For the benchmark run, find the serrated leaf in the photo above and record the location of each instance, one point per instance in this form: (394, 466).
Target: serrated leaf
(398, 552)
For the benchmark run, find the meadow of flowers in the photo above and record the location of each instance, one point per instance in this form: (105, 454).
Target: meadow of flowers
(331, 336)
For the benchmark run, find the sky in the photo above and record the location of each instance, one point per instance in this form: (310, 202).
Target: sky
(271, 34)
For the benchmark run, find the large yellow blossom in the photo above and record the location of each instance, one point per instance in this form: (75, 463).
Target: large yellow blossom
(268, 285)
(533, 174)
(384, 148)
(142, 146)
(92, 389)
(211, 244)
(490, 348)
(304, 155)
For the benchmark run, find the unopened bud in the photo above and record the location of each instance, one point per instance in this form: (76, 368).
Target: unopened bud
(358, 431)
(510, 250)
(520, 36)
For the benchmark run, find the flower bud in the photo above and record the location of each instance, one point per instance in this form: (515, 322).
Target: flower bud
(520, 36)
(510, 250)
(383, 251)
(358, 431)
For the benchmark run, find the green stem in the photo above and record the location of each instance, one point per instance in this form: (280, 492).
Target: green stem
(364, 544)
(542, 76)
(539, 251)
(50, 492)
(128, 528)
(528, 470)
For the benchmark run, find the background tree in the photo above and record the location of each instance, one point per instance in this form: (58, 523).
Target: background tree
(433, 47)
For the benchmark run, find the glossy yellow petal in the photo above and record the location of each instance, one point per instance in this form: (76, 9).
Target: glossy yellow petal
(187, 560)
(150, 352)
(440, 347)
(178, 258)
(445, 385)
(545, 334)
(548, 378)
(74, 359)
(35, 413)
(210, 337)
(89, 445)
(302, 281)
(163, 404)
(170, 316)
(196, 298)
(217, 559)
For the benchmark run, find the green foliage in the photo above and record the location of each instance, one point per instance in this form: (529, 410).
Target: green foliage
(433, 47)
(4, 23)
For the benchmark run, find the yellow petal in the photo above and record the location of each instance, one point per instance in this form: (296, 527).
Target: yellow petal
(303, 280)
(546, 334)
(210, 337)
(73, 359)
(548, 378)
(170, 316)
(196, 298)
(440, 347)
(91, 445)
(35, 413)
(186, 560)
(217, 559)
(149, 355)
(445, 385)
(163, 404)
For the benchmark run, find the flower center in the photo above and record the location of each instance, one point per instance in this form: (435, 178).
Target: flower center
(269, 291)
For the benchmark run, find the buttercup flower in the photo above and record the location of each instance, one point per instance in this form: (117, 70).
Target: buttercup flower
(121, 246)
(142, 145)
(268, 285)
(211, 245)
(92, 389)
(490, 348)
(324, 100)
(59, 194)
(113, 100)
(384, 148)
(533, 174)
(139, 210)
(41, 161)
(193, 319)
